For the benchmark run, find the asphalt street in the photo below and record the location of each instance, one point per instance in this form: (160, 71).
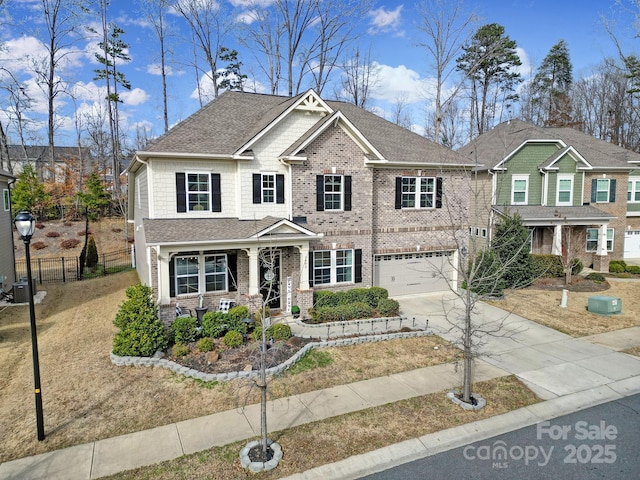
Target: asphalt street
(599, 442)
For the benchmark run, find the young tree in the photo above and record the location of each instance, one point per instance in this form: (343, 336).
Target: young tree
(231, 77)
(29, 193)
(551, 86)
(489, 63)
(95, 197)
(511, 244)
(359, 77)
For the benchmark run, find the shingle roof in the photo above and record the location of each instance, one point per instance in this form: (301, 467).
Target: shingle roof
(539, 212)
(493, 146)
(234, 118)
(41, 152)
(194, 230)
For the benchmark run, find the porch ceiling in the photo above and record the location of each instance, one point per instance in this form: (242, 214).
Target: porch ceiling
(535, 215)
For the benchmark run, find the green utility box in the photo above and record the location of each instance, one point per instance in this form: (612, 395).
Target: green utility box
(604, 305)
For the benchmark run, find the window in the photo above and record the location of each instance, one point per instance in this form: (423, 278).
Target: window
(603, 190)
(565, 190)
(7, 202)
(200, 273)
(592, 239)
(519, 189)
(197, 192)
(418, 192)
(633, 192)
(268, 188)
(333, 192)
(333, 266)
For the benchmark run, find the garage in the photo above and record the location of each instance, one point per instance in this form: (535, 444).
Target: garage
(632, 244)
(410, 273)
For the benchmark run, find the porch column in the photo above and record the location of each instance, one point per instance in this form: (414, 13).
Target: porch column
(602, 240)
(162, 259)
(254, 277)
(556, 247)
(304, 266)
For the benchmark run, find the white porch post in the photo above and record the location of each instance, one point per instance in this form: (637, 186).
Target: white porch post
(162, 259)
(304, 266)
(254, 280)
(556, 248)
(602, 240)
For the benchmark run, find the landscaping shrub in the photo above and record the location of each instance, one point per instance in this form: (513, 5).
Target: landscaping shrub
(370, 296)
(576, 266)
(183, 329)
(214, 324)
(140, 332)
(549, 266)
(595, 277)
(342, 312)
(232, 339)
(324, 298)
(258, 314)
(634, 269)
(92, 253)
(279, 331)
(52, 234)
(376, 294)
(69, 243)
(205, 344)
(180, 350)
(388, 307)
(235, 318)
(616, 266)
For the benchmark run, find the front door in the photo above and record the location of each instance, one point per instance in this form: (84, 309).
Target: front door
(270, 277)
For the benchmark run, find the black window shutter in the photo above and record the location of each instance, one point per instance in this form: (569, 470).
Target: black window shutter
(216, 200)
(279, 188)
(232, 270)
(181, 192)
(612, 190)
(594, 190)
(358, 266)
(311, 269)
(257, 188)
(320, 193)
(439, 192)
(398, 192)
(347, 192)
(172, 277)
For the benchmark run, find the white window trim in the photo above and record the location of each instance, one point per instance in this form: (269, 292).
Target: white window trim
(333, 267)
(202, 275)
(418, 192)
(608, 180)
(263, 189)
(515, 178)
(560, 178)
(598, 233)
(325, 193)
(188, 192)
(6, 199)
(635, 188)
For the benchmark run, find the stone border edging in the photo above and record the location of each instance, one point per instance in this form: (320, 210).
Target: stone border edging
(222, 377)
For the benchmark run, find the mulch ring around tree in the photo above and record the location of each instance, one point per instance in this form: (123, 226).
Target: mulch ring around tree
(578, 284)
(225, 360)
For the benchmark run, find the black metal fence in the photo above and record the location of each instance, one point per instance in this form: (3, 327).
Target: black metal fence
(67, 269)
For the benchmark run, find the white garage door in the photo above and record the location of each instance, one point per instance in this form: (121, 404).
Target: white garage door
(632, 244)
(409, 273)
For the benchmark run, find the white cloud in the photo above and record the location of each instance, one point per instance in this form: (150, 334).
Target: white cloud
(393, 83)
(155, 69)
(137, 96)
(384, 20)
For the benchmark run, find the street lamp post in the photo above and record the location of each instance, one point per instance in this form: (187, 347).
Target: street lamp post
(26, 225)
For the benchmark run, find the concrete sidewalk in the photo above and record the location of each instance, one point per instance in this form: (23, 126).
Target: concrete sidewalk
(570, 374)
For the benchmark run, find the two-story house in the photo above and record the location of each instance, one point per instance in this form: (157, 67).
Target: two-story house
(7, 259)
(572, 190)
(66, 159)
(293, 194)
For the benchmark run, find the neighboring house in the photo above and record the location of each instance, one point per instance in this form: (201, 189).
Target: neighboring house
(7, 259)
(65, 158)
(342, 197)
(572, 190)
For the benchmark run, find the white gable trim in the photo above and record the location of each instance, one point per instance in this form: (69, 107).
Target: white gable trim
(286, 227)
(575, 155)
(309, 102)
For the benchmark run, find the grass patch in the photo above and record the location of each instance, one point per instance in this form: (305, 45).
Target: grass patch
(312, 359)
(633, 351)
(334, 439)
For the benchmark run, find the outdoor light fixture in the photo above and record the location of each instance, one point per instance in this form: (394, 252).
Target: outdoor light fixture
(26, 225)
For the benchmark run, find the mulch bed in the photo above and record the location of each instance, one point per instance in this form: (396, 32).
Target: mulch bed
(578, 284)
(240, 358)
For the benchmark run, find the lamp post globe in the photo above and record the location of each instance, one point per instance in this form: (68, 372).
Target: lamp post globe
(25, 225)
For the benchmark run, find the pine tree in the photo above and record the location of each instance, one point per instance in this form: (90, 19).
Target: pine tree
(551, 86)
(94, 197)
(230, 77)
(511, 244)
(29, 193)
(92, 253)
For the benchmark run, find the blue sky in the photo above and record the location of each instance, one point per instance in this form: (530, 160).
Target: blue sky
(389, 28)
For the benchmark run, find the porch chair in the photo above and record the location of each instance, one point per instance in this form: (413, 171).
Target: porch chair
(182, 312)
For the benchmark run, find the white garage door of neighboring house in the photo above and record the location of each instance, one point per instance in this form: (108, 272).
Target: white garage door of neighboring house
(409, 273)
(632, 244)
